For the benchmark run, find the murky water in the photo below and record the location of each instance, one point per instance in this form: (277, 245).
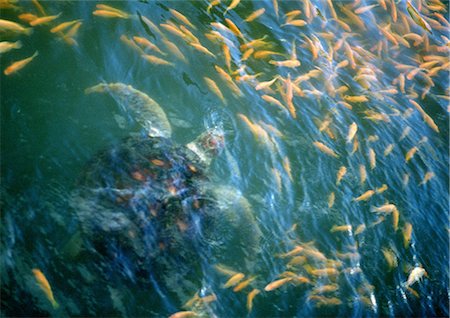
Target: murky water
(337, 255)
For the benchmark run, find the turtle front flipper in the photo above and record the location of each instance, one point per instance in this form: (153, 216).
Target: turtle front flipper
(145, 110)
(236, 228)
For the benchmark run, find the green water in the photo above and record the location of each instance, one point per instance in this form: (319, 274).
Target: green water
(50, 129)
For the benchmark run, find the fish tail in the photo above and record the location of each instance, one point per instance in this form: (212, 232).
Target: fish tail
(100, 88)
(373, 209)
(54, 304)
(35, 54)
(28, 31)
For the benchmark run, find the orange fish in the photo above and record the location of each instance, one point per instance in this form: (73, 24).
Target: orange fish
(45, 286)
(16, 66)
(250, 298)
(325, 149)
(277, 283)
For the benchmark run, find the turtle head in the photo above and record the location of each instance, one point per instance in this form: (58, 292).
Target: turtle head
(208, 145)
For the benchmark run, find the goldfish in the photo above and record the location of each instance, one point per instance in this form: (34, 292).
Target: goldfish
(212, 4)
(289, 96)
(372, 159)
(63, 26)
(264, 85)
(390, 257)
(277, 283)
(365, 196)
(18, 65)
(180, 17)
(227, 55)
(341, 228)
(243, 284)
(264, 53)
(101, 6)
(10, 26)
(416, 17)
(131, 44)
(325, 301)
(325, 289)
(233, 4)
(45, 286)
(388, 149)
(340, 174)
(143, 42)
(275, 7)
(361, 228)
(208, 299)
(407, 232)
(191, 302)
(6, 46)
(156, 60)
(287, 167)
(386, 208)
(395, 219)
(250, 298)
(286, 63)
(325, 149)
(153, 27)
(228, 80)
(297, 22)
(233, 27)
(300, 280)
(43, 20)
(214, 89)
(297, 260)
(381, 189)
(325, 123)
(324, 272)
(247, 54)
(362, 174)
(184, 314)
(68, 37)
(413, 292)
(172, 28)
(405, 133)
(235, 279)
(331, 199)
(292, 14)
(38, 6)
(315, 254)
(405, 179)
(425, 116)
(110, 14)
(356, 99)
(428, 176)
(416, 275)
(225, 270)
(27, 17)
(352, 132)
(201, 48)
(296, 250)
(411, 152)
(255, 14)
(174, 50)
(349, 255)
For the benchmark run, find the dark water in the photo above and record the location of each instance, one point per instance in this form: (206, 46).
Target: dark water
(50, 129)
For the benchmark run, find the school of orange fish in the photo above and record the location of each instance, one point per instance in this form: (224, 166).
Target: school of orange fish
(403, 30)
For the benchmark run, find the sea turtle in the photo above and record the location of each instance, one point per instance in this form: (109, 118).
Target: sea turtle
(149, 203)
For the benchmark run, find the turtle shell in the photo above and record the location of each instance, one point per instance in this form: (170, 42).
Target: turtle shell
(144, 199)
